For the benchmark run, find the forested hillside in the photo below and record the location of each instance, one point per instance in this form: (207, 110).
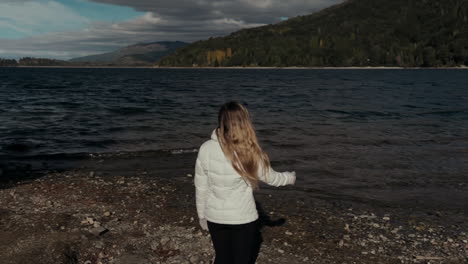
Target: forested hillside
(409, 33)
(29, 61)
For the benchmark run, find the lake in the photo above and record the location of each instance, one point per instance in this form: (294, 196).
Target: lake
(391, 135)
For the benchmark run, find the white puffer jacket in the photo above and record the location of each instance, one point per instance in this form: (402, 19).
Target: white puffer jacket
(222, 195)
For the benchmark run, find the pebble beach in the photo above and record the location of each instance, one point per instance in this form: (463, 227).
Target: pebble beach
(94, 214)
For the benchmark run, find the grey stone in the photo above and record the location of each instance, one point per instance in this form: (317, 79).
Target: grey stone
(164, 240)
(194, 259)
(99, 244)
(341, 243)
(98, 231)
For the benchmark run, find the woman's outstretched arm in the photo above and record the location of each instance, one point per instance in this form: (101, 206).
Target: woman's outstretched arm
(274, 178)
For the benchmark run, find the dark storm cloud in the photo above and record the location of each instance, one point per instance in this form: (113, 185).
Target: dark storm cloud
(250, 11)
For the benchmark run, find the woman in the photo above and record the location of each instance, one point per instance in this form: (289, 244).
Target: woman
(228, 169)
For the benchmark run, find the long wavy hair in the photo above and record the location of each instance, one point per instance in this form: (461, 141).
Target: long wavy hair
(239, 142)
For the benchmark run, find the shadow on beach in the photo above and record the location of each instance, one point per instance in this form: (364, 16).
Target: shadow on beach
(263, 220)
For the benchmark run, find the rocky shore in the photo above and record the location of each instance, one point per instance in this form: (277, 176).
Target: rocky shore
(83, 216)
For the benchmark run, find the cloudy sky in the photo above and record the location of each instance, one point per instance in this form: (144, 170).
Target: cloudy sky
(65, 29)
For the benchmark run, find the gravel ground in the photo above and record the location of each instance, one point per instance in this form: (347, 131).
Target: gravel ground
(84, 217)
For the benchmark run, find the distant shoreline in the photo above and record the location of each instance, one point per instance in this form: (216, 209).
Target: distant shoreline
(250, 68)
(315, 68)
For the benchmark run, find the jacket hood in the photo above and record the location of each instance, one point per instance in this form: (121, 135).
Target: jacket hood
(214, 136)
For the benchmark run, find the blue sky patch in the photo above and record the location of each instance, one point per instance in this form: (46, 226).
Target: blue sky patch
(101, 12)
(26, 19)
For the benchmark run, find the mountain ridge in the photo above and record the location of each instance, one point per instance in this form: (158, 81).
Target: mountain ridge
(140, 54)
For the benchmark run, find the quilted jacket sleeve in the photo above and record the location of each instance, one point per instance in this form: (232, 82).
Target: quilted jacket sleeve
(201, 184)
(275, 178)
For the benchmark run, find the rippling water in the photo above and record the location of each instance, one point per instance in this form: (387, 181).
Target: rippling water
(356, 131)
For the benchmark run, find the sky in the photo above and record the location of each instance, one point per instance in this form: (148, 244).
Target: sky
(65, 29)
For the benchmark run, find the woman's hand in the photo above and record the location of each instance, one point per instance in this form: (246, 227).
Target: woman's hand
(292, 177)
(203, 224)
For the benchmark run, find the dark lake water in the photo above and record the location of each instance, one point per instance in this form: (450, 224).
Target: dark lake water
(383, 134)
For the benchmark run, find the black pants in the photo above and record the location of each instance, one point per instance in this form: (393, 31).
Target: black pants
(235, 244)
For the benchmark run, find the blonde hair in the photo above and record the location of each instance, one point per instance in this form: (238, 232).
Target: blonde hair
(239, 142)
